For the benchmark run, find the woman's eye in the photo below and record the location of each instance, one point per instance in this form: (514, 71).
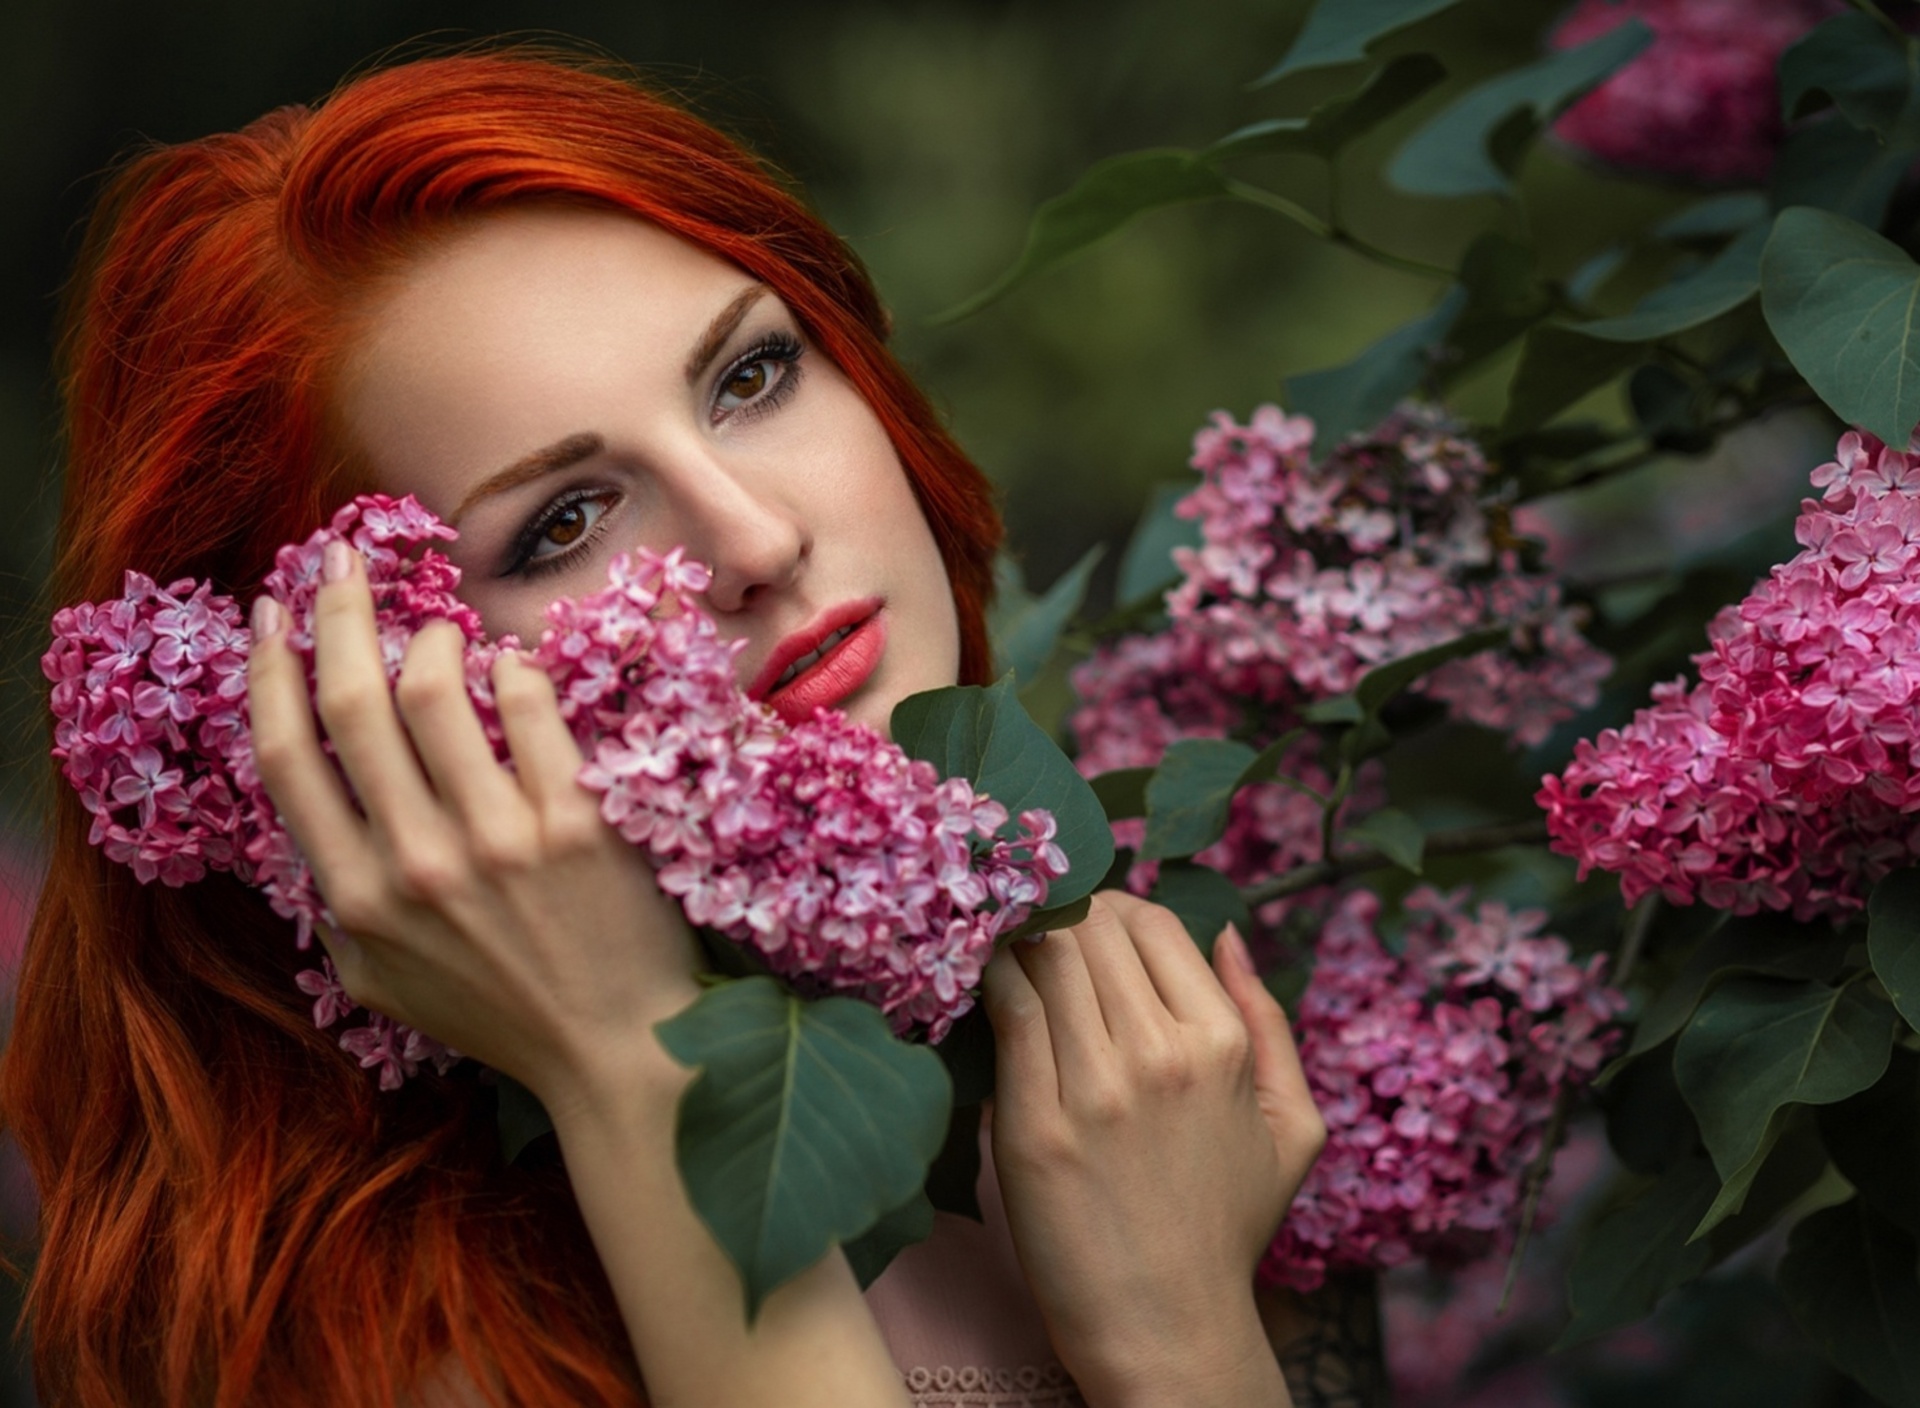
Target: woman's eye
(565, 526)
(746, 383)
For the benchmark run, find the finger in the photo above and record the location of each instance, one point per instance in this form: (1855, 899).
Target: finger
(446, 732)
(356, 704)
(306, 791)
(1130, 1005)
(1022, 1047)
(1277, 1072)
(545, 756)
(1174, 962)
(1077, 1031)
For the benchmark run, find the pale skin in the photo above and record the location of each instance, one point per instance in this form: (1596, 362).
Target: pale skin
(1140, 1088)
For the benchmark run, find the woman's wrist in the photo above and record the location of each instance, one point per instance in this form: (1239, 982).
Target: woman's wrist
(1221, 1358)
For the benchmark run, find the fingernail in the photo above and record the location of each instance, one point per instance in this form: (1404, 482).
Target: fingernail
(1237, 950)
(1035, 936)
(266, 617)
(335, 563)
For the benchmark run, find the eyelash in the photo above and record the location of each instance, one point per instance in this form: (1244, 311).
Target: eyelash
(779, 347)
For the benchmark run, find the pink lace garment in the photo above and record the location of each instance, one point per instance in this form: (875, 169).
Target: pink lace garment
(959, 1319)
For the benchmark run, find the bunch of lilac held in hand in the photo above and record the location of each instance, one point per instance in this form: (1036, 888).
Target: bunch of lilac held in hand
(846, 866)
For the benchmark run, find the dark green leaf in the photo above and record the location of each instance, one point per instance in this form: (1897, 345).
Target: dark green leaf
(1796, 1162)
(1205, 900)
(1108, 196)
(1649, 1125)
(873, 1251)
(1731, 1200)
(1853, 63)
(1756, 1044)
(1357, 395)
(1380, 685)
(1714, 217)
(1454, 154)
(1335, 709)
(1637, 1252)
(953, 1183)
(1394, 834)
(1848, 1276)
(1559, 366)
(1505, 297)
(1123, 792)
(520, 1116)
(809, 1121)
(1842, 301)
(1187, 799)
(984, 735)
(1893, 940)
(1340, 32)
(1772, 945)
(1146, 567)
(1726, 281)
(1335, 123)
(1024, 639)
(1584, 284)
(1835, 167)
(1874, 1138)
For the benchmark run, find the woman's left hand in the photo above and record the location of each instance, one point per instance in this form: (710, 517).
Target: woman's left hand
(1151, 1125)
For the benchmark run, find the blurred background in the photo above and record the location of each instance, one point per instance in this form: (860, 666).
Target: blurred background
(926, 132)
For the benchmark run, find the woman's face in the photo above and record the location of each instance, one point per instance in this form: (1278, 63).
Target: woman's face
(562, 385)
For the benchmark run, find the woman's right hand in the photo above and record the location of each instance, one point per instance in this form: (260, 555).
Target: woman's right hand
(491, 908)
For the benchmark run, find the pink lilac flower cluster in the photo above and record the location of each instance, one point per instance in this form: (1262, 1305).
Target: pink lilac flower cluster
(1701, 101)
(845, 865)
(1437, 1069)
(1789, 776)
(1310, 573)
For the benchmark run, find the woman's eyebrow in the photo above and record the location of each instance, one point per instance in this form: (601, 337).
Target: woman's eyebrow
(720, 329)
(559, 455)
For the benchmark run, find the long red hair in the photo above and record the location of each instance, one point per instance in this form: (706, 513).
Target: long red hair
(231, 1213)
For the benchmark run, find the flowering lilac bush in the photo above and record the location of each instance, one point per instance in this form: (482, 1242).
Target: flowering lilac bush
(1785, 778)
(1437, 1070)
(846, 866)
(1700, 102)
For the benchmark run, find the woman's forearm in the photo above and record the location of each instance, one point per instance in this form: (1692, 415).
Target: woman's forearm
(814, 1341)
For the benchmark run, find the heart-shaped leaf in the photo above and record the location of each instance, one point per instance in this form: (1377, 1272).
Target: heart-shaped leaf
(1205, 900)
(1638, 1251)
(1341, 31)
(1394, 834)
(1338, 121)
(808, 1123)
(1358, 394)
(1845, 306)
(984, 735)
(1848, 1277)
(1027, 628)
(1893, 940)
(1188, 798)
(1726, 281)
(1147, 568)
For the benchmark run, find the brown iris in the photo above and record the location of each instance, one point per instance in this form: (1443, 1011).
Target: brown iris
(748, 382)
(566, 526)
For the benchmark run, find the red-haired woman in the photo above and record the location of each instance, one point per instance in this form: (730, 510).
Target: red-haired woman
(570, 319)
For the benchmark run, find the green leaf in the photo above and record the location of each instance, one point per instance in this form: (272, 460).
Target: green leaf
(1848, 1277)
(1110, 195)
(1205, 900)
(873, 1251)
(808, 1123)
(967, 1053)
(1893, 940)
(520, 1117)
(1874, 1138)
(1394, 834)
(1146, 567)
(1559, 366)
(1771, 945)
(1469, 147)
(1714, 217)
(1756, 1044)
(1123, 792)
(1637, 1252)
(1187, 799)
(1732, 1197)
(1341, 31)
(1835, 167)
(1505, 297)
(984, 735)
(1331, 126)
(1357, 395)
(1843, 301)
(1024, 639)
(1726, 281)
(1853, 63)
(1380, 685)
(1796, 1163)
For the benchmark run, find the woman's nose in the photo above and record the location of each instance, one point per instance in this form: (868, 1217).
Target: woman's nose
(755, 540)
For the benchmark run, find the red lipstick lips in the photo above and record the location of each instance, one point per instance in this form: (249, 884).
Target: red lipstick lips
(824, 662)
